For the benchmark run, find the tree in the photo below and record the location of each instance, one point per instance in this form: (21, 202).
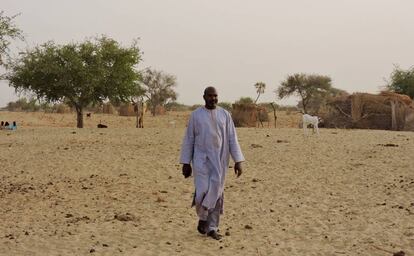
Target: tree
(260, 88)
(316, 103)
(159, 88)
(8, 32)
(78, 73)
(226, 105)
(245, 100)
(402, 81)
(305, 86)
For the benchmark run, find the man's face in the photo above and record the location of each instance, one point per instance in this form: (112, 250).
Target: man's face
(210, 97)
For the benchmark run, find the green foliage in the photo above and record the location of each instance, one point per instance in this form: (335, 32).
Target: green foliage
(159, 88)
(245, 100)
(78, 74)
(402, 81)
(23, 104)
(175, 106)
(305, 86)
(8, 32)
(318, 103)
(226, 105)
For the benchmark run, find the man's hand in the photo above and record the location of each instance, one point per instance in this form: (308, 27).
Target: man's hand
(187, 170)
(238, 169)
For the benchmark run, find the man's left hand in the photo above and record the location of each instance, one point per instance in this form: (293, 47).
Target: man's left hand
(238, 169)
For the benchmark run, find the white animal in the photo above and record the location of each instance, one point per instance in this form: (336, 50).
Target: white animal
(313, 120)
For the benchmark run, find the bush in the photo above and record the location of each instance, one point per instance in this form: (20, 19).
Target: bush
(23, 104)
(175, 106)
(225, 105)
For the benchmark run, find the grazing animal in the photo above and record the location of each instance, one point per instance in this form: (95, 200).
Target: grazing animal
(102, 126)
(140, 108)
(308, 119)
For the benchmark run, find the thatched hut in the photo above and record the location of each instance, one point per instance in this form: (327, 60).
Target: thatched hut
(385, 111)
(160, 110)
(127, 110)
(62, 108)
(108, 108)
(248, 115)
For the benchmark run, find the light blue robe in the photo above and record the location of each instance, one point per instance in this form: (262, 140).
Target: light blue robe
(209, 141)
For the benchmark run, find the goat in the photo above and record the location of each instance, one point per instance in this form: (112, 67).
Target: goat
(308, 119)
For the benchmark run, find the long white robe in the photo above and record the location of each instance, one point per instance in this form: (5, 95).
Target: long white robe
(209, 141)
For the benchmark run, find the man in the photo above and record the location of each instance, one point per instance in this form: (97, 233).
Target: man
(209, 141)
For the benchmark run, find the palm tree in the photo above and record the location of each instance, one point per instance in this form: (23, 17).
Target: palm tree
(260, 87)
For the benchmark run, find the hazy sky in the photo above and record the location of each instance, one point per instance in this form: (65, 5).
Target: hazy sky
(232, 44)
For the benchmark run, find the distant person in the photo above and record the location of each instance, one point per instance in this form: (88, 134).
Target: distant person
(209, 141)
(2, 125)
(14, 126)
(6, 125)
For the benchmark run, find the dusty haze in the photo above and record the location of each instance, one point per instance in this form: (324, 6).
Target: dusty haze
(233, 44)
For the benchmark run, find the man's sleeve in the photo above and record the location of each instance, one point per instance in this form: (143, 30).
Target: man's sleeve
(234, 146)
(187, 147)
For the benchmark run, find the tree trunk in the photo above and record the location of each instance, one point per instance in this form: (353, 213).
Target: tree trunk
(136, 109)
(304, 107)
(393, 117)
(154, 107)
(274, 113)
(79, 113)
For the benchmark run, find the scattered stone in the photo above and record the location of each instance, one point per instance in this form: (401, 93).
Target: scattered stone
(248, 227)
(68, 215)
(227, 233)
(92, 250)
(400, 253)
(160, 200)
(282, 141)
(256, 146)
(388, 145)
(125, 217)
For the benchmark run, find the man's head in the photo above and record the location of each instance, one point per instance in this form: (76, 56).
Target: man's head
(210, 97)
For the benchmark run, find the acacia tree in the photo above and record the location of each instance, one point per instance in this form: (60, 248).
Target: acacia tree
(8, 32)
(402, 81)
(78, 73)
(317, 102)
(260, 88)
(305, 86)
(159, 88)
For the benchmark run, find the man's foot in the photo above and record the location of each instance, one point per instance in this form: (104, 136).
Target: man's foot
(202, 226)
(213, 234)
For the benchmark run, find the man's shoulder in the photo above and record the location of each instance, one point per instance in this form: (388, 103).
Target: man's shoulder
(223, 111)
(197, 110)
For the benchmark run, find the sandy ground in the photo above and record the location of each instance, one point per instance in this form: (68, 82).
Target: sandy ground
(119, 191)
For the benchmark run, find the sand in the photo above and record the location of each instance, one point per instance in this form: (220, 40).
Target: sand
(119, 191)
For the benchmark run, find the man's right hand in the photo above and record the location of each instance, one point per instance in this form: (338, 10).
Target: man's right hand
(187, 170)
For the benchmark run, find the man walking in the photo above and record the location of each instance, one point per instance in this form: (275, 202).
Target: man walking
(209, 141)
